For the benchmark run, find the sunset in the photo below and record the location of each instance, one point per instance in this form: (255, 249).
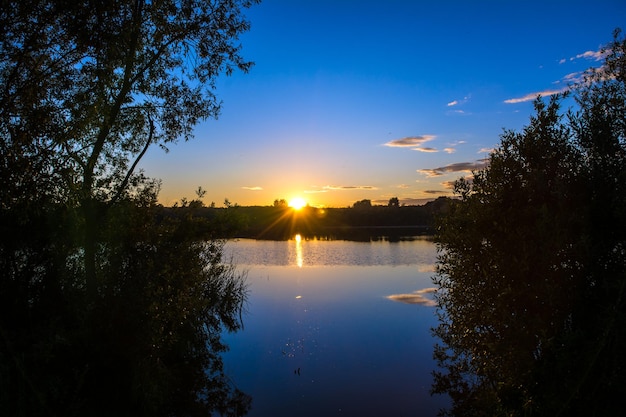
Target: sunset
(352, 100)
(297, 203)
(312, 208)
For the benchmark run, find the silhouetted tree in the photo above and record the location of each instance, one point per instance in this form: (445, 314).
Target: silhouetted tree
(394, 202)
(532, 267)
(89, 87)
(109, 307)
(282, 203)
(363, 204)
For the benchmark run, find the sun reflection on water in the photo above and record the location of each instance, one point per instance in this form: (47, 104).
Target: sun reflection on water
(299, 257)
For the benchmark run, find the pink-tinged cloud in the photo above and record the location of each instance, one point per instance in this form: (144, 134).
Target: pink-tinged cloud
(595, 55)
(533, 96)
(457, 167)
(592, 55)
(416, 297)
(410, 141)
(449, 150)
(453, 103)
(426, 149)
(348, 187)
(449, 185)
(253, 188)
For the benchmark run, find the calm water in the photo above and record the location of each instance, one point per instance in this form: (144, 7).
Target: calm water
(322, 335)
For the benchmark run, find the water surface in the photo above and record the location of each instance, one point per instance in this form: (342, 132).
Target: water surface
(321, 336)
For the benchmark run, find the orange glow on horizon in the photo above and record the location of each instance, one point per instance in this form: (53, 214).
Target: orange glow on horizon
(297, 203)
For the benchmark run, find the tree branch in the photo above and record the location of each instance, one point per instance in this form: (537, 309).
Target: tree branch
(124, 183)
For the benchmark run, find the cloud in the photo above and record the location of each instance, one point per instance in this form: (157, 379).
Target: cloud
(589, 55)
(348, 187)
(435, 192)
(314, 191)
(416, 297)
(592, 55)
(459, 102)
(485, 150)
(410, 141)
(403, 186)
(533, 96)
(426, 149)
(426, 268)
(457, 167)
(448, 184)
(253, 188)
(449, 150)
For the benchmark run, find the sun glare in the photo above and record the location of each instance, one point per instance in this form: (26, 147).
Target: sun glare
(297, 203)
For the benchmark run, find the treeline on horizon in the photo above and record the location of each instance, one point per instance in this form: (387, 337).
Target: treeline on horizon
(361, 222)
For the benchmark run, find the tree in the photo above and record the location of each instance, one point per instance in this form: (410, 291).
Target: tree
(394, 202)
(108, 306)
(89, 86)
(282, 203)
(363, 204)
(532, 266)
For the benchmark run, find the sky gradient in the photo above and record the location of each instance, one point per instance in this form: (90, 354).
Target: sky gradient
(352, 100)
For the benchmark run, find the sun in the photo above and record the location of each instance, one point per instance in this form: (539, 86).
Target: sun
(297, 203)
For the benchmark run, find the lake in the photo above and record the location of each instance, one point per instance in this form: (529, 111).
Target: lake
(335, 328)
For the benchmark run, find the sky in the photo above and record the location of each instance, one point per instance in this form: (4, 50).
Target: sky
(357, 99)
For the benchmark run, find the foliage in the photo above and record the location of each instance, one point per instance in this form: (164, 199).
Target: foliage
(532, 264)
(109, 307)
(363, 204)
(149, 345)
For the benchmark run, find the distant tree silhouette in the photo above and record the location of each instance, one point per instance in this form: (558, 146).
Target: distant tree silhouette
(282, 203)
(363, 204)
(394, 202)
(532, 267)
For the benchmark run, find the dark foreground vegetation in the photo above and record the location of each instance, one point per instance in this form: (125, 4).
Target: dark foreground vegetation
(108, 308)
(532, 268)
(361, 223)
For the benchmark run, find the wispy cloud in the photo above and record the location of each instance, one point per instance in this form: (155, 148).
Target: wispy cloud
(589, 55)
(449, 150)
(436, 192)
(403, 186)
(416, 297)
(410, 141)
(425, 149)
(448, 185)
(485, 150)
(327, 188)
(533, 96)
(253, 188)
(459, 102)
(457, 167)
(571, 78)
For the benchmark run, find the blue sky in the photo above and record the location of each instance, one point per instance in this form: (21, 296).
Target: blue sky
(352, 100)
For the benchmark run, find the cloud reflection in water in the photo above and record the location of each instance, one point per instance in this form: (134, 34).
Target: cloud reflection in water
(416, 297)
